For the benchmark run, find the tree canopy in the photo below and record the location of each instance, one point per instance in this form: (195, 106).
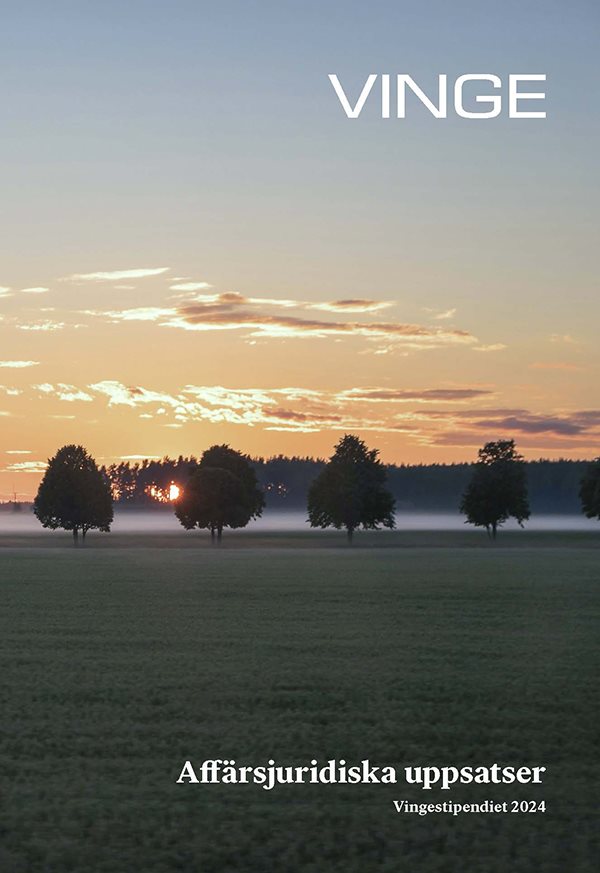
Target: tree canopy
(74, 494)
(350, 491)
(589, 491)
(221, 492)
(498, 488)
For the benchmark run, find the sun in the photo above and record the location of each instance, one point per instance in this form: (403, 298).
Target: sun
(174, 491)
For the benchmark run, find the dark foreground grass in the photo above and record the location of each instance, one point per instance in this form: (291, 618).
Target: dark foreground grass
(119, 664)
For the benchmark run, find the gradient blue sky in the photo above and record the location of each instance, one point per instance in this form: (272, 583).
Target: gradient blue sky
(207, 138)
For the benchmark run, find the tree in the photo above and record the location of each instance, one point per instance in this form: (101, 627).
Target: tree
(498, 488)
(589, 491)
(74, 494)
(221, 492)
(350, 491)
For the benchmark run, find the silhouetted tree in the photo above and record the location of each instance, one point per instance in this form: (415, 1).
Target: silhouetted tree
(350, 491)
(221, 492)
(589, 492)
(498, 488)
(74, 494)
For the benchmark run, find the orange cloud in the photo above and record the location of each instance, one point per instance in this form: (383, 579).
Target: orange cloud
(428, 395)
(206, 317)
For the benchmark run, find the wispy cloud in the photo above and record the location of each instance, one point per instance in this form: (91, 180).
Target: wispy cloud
(352, 305)
(17, 452)
(195, 317)
(440, 314)
(234, 298)
(38, 289)
(428, 395)
(44, 326)
(494, 347)
(303, 410)
(26, 467)
(532, 423)
(141, 313)
(117, 275)
(190, 286)
(231, 299)
(579, 428)
(62, 391)
(411, 412)
(18, 365)
(312, 410)
(234, 312)
(5, 291)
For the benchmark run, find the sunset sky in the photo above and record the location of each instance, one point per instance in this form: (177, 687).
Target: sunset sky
(197, 245)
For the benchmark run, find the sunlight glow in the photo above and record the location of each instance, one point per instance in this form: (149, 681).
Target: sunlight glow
(164, 495)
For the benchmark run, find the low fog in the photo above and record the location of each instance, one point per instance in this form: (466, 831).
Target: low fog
(156, 521)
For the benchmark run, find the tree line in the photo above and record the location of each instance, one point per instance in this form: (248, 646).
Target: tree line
(349, 491)
(552, 485)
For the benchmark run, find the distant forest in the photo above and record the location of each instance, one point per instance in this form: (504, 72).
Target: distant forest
(553, 485)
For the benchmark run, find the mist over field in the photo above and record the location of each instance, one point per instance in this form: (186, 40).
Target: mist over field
(164, 522)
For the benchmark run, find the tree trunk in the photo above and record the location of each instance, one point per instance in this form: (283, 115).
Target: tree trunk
(75, 536)
(494, 531)
(350, 534)
(212, 536)
(83, 533)
(219, 534)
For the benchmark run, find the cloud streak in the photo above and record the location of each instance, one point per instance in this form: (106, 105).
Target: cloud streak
(190, 286)
(201, 318)
(26, 467)
(352, 305)
(116, 275)
(234, 312)
(428, 395)
(44, 326)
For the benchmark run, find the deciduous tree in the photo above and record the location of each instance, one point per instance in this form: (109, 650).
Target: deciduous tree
(498, 488)
(222, 492)
(350, 491)
(74, 494)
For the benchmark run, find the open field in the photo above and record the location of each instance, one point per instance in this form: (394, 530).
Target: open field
(121, 660)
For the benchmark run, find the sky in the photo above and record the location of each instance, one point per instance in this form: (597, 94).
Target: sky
(197, 246)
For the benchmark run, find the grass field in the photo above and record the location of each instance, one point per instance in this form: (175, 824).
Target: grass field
(121, 660)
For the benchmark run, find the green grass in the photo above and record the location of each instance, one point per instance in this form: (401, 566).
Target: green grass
(120, 661)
